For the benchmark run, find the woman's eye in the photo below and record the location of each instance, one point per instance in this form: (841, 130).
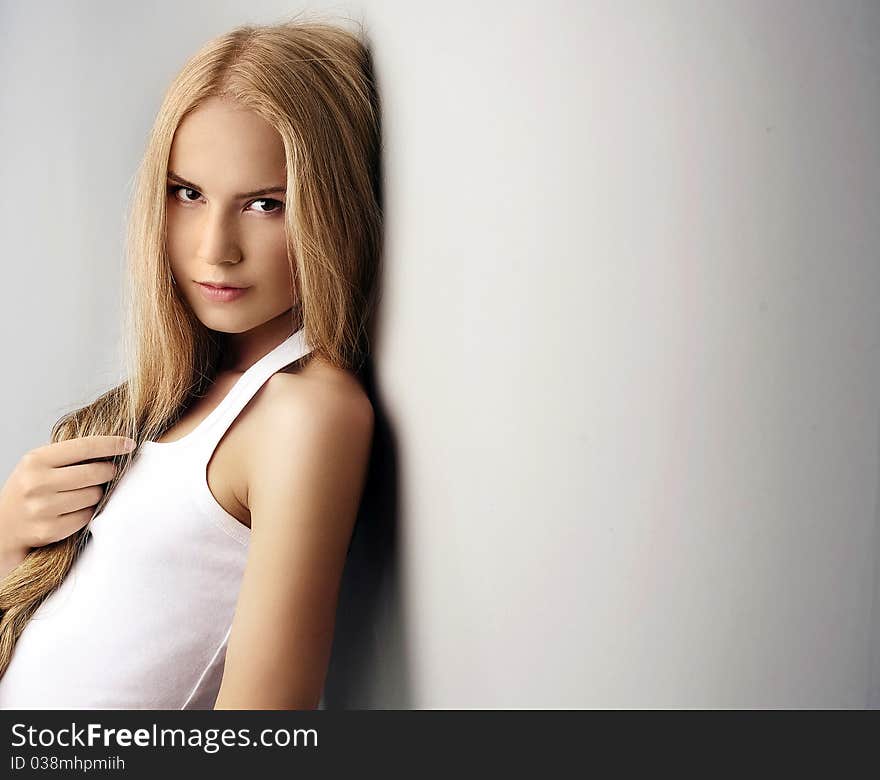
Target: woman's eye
(174, 189)
(278, 205)
(271, 206)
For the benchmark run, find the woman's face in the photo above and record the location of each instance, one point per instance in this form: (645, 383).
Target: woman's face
(218, 233)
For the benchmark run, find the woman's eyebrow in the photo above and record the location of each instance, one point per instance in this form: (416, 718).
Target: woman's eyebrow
(266, 191)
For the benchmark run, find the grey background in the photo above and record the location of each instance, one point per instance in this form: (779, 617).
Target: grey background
(628, 344)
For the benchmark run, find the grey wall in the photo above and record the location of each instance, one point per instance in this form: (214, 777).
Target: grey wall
(627, 353)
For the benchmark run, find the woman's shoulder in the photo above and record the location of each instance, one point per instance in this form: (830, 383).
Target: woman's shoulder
(316, 382)
(290, 408)
(296, 411)
(319, 390)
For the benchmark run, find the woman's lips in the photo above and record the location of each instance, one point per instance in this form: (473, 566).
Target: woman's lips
(222, 294)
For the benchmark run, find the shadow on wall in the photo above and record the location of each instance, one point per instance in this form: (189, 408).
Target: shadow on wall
(368, 664)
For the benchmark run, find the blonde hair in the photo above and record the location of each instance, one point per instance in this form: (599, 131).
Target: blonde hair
(312, 81)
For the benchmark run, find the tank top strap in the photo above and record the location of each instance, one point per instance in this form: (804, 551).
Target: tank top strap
(245, 388)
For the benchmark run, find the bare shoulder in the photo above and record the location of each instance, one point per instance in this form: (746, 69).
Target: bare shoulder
(305, 484)
(318, 391)
(319, 414)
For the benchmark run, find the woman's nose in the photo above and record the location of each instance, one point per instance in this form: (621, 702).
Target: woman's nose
(218, 242)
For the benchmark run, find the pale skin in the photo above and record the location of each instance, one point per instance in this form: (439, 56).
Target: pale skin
(292, 465)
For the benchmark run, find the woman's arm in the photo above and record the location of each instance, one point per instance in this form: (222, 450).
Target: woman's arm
(304, 489)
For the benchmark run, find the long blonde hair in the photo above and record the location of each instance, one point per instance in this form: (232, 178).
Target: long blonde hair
(312, 81)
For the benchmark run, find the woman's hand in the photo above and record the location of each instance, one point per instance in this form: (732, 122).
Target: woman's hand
(52, 493)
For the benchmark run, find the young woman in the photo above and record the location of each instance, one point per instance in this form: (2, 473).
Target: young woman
(206, 572)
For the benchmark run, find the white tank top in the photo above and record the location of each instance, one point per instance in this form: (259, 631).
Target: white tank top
(142, 619)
